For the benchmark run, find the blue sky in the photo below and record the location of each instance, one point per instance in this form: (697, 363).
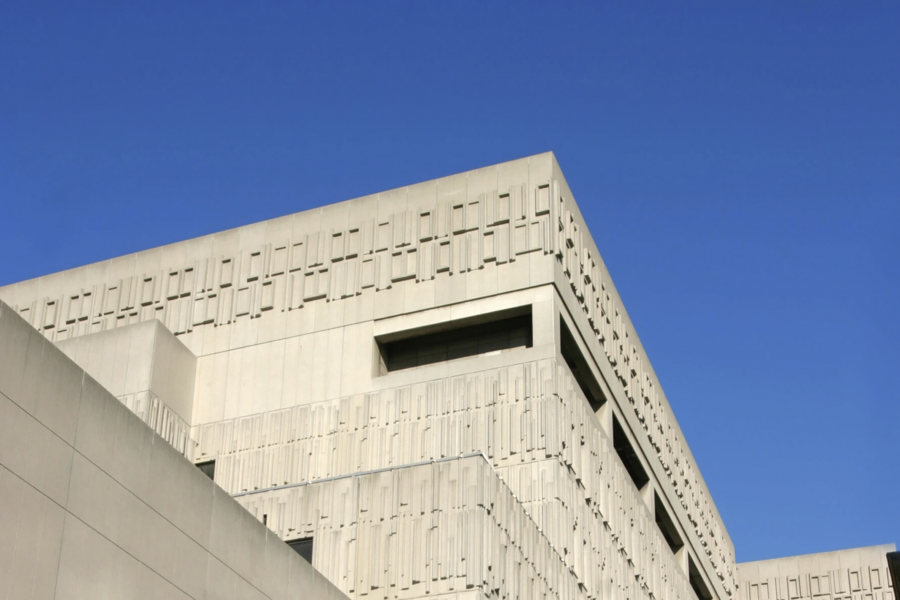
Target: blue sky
(738, 164)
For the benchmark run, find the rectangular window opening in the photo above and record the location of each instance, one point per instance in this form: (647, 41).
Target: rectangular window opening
(303, 547)
(208, 468)
(480, 335)
(629, 456)
(667, 525)
(697, 583)
(580, 368)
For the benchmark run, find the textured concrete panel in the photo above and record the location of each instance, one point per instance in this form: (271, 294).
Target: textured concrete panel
(534, 431)
(421, 530)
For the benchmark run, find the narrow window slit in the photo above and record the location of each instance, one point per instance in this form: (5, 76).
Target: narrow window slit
(580, 368)
(667, 525)
(303, 547)
(697, 583)
(629, 456)
(208, 468)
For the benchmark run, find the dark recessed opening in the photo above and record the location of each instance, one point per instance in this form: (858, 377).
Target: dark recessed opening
(697, 583)
(667, 526)
(893, 560)
(457, 339)
(208, 468)
(581, 371)
(628, 455)
(303, 547)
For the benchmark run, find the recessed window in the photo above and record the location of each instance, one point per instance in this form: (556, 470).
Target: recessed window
(485, 334)
(580, 368)
(697, 583)
(208, 468)
(628, 455)
(303, 547)
(667, 525)
(893, 560)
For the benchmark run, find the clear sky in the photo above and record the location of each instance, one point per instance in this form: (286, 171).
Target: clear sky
(737, 162)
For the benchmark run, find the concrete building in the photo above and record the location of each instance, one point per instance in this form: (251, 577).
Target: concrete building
(430, 392)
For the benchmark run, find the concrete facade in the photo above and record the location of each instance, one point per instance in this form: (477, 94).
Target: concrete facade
(546, 468)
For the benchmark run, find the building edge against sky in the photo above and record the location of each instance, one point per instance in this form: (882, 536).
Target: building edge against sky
(436, 388)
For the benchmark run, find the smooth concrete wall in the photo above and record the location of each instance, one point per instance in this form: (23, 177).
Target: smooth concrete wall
(854, 574)
(149, 370)
(93, 504)
(283, 317)
(136, 358)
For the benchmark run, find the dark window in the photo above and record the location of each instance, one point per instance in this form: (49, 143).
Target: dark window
(667, 526)
(581, 371)
(303, 547)
(458, 339)
(628, 455)
(697, 583)
(208, 468)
